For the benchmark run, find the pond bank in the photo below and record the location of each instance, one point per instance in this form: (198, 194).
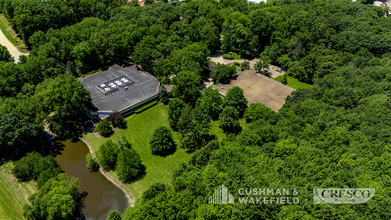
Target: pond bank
(111, 178)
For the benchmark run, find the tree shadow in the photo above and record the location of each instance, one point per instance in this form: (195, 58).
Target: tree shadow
(168, 152)
(140, 175)
(55, 147)
(79, 200)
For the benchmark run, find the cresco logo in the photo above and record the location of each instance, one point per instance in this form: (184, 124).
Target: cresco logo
(342, 195)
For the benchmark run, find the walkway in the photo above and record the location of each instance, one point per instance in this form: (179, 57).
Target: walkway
(15, 53)
(114, 180)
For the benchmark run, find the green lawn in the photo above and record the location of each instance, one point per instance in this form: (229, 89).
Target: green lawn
(13, 194)
(139, 129)
(294, 83)
(138, 132)
(11, 35)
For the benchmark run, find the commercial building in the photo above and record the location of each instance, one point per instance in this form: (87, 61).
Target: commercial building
(120, 89)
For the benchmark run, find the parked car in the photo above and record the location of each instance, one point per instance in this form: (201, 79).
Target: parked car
(278, 70)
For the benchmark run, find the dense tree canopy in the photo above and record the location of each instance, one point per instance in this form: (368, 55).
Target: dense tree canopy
(335, 134)
(57, 199)
(18, 136)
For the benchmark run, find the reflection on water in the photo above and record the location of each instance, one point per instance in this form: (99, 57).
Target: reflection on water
(103, 196)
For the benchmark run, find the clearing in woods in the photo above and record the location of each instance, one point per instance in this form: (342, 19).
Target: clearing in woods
(13, 194)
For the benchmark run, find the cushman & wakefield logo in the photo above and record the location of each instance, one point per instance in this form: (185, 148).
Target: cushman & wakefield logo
(287, 196)
(343, 195)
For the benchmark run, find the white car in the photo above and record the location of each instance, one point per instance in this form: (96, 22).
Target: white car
(278, 70)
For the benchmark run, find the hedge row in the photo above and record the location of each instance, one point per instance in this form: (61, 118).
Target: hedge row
(145, 107)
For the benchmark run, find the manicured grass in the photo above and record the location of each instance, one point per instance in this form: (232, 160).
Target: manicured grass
(138, 132)
(11, 35)
(294, 83)
(13, 194)
(139, 129)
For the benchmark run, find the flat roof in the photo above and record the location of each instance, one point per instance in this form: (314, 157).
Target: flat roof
(144, 87)
(259, 88)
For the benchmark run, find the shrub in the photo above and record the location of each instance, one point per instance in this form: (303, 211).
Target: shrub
(104, 128)
(116, 119)
(284, 79)
(129, 165)
(114, 215)
(145, 107)
(123, 143)
(161, 142)
(163, 94)
(92, 164)
(107, 155)
(245, 65)
(229, 56)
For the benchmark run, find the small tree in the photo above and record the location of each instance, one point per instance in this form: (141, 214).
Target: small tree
(128, 165)
(235, 98)
(161, 142)
(116, 119)
(212, 102)
(228, 120)
(223, 73)
(92, 164)
(262, 65)
(284, 61)
(114, 215)
(107, 155)
(175, 107)
(104, 128)
(163, 94)
(245, 65)
(123, 143)
(284, 79)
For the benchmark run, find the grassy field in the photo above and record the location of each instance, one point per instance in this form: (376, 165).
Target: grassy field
(138, 132)
(13, 194)
(11, 35)
(294, 83)
(139, 129)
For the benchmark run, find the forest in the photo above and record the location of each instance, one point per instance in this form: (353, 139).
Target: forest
(333, 135)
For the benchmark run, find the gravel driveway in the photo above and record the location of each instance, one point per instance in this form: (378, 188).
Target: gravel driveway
(15, 53)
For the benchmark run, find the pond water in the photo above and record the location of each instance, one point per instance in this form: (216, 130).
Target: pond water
(103, 195)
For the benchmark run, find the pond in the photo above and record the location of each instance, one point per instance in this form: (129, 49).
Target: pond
(103, 195)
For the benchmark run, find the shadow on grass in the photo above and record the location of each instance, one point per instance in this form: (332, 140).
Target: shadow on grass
(167, 152)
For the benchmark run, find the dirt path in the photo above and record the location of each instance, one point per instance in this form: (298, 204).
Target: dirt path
(218, 58)
(10, 47)
(114, 180)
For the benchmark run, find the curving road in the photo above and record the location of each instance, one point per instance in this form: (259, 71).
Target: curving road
(15, 53)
